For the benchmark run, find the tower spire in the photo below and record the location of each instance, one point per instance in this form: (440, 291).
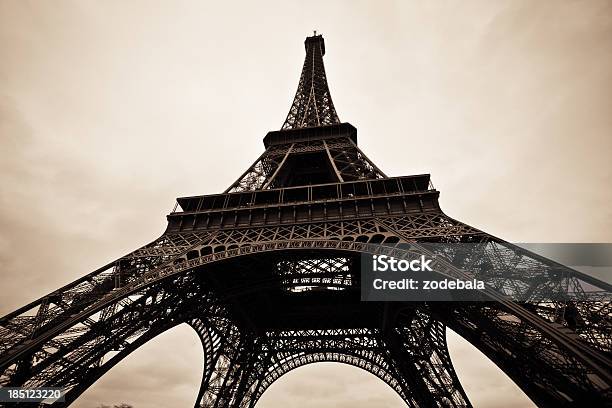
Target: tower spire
(312, 105)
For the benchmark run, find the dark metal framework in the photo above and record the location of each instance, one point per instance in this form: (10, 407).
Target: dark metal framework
(267, 274)
(312, 105)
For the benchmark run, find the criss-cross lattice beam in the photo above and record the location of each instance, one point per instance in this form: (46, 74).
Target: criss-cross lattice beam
(312, 105)
(246, 364)
(69, 348)
(347, 160)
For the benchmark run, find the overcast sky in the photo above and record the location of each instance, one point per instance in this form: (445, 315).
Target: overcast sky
(111, 109)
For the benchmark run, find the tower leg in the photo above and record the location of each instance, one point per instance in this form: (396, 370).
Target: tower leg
(231, 365)
(419, 352)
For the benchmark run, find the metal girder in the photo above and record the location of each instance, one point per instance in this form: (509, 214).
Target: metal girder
(86, 347)
(312, 105)
(267, 275)
(349, 162)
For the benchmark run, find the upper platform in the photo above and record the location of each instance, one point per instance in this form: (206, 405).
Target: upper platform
(305, 134)
(315, 41)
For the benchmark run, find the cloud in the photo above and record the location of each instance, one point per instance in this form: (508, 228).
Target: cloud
(109, 111)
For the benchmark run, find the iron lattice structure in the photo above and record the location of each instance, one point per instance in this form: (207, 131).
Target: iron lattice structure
(312, 105)
(267, 274)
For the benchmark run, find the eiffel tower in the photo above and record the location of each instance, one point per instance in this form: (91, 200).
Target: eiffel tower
(267, 274)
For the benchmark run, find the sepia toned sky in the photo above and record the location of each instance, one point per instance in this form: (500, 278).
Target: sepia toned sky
(111, 109)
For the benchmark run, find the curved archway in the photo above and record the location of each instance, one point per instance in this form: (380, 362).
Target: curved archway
(327, 385)
(470, 363)
(369, 365)
(165, 371)
(493, 315)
